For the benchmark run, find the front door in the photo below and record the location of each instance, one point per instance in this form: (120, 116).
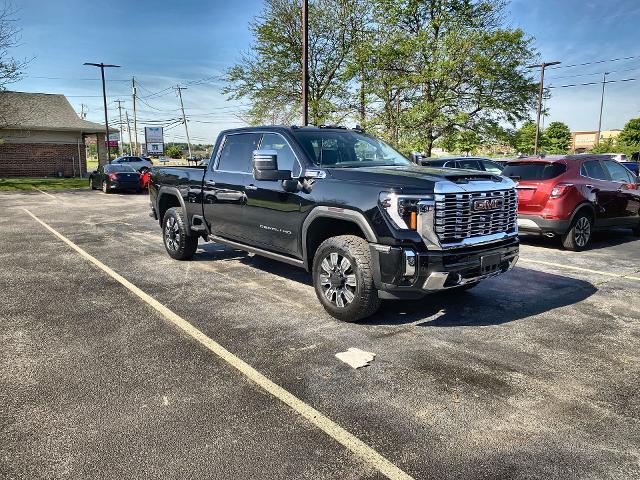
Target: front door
(224, 186)
(273, 216)
(625, 192)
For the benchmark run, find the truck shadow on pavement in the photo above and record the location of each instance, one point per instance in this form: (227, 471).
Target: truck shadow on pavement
(513, 296)
(602, 239)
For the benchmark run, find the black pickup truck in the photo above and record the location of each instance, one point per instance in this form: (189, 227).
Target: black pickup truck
(366, 222)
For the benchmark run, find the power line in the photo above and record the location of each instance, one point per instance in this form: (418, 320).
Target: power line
(596, 62)
(592, 83)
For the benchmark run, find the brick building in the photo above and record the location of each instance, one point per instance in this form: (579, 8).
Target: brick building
(41, 135)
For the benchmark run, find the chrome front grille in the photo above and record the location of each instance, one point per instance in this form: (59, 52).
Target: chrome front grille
(456, 220)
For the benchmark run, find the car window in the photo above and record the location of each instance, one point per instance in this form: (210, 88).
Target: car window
(618, 172)
(492, 167)
(286, 158)
(533, 170)
(593, 169)
(237, 152)
(468, 164)
(119, 168)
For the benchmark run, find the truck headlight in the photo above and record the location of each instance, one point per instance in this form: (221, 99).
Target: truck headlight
(402, 210)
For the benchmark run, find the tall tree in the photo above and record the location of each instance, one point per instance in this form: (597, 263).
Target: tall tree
(525, 138)
(557, 138)
(444, 65)
(630, 134)
(269, 75)
(10, 67)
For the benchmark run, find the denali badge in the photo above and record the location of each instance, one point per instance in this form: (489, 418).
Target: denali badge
(489, 204)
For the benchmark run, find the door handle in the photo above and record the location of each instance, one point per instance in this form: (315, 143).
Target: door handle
(251, 187)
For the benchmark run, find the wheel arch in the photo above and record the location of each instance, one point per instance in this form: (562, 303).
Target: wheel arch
(325, 222)
(584, 207)
(169, 197)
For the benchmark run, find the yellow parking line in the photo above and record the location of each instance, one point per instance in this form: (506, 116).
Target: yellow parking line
(580, 269)
(324, 423)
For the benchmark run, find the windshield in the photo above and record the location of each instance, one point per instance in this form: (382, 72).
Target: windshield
(533, 170)
(120, 168)
(344, 149)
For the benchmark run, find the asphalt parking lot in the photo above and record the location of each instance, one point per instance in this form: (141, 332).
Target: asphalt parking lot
(534, 374)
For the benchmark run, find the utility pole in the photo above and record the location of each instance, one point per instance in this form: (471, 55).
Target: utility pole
(126, 113)
(305, 62)
(184, 118)
(542, 67)
(135, 118)
(83, 115)
(102, 66)
(119, 102)
(604, 82)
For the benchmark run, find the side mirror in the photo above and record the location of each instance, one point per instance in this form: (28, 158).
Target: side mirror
(265, 166)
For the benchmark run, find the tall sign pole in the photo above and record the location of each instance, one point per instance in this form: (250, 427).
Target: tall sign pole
(184, 118)
(542, 67)
(102, 66)
(305, 63)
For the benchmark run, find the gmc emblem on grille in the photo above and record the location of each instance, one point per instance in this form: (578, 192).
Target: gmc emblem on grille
(489, 204)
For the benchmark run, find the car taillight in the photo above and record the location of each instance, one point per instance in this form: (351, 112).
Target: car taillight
(560, 189)
(112, 176)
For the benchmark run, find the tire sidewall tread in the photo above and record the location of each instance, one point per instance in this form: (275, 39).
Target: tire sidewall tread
(188, 244)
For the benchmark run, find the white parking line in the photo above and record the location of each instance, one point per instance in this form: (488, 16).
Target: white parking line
(45, 193)
(324, 423)
(580, 269)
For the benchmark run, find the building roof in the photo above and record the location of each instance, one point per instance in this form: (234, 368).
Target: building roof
(43, 111)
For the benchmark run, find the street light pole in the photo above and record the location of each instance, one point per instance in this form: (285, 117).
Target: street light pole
(102, 66)
(542, 67)
(305, 62)
(604, 82)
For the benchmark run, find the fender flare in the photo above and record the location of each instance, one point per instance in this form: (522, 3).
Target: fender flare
(173, 192)
(338, 213)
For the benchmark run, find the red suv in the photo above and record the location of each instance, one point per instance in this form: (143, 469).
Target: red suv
(573, 195)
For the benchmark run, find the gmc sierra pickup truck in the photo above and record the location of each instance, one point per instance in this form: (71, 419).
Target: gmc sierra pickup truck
(366, 222)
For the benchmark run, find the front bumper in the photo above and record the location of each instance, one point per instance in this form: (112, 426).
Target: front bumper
(402, 272)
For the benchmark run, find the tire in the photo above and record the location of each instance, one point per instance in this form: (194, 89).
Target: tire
(578, 236)
(345, 289)
(91, 185)
(105, 189)
(178, 244)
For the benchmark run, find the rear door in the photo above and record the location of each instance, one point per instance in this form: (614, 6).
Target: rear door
(624, 191)
(224, 185)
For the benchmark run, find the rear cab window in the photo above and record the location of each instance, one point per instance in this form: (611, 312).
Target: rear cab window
(536, 171)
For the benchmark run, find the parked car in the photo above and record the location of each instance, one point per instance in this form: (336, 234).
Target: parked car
(115, 177)
(365, 221)
(138, 163)
(144, 179)
(571, 196)
(618, 157)
(469, 163)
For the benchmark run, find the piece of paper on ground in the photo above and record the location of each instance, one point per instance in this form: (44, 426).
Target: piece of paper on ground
(356, 358)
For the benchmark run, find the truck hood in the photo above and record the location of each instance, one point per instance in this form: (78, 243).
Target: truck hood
(409, 177)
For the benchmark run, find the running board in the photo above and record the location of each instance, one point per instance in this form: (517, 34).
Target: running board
(258, 251)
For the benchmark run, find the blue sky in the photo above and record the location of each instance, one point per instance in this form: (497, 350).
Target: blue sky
(164, 43)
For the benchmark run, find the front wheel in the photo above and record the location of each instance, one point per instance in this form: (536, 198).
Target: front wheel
(579, 234)
(343, 278)
(178, 244)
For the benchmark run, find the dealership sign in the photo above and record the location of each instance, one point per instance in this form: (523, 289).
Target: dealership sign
(154, 140)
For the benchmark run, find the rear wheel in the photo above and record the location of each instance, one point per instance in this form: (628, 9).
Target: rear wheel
(579, 234)
(343, 278)
(178, 244)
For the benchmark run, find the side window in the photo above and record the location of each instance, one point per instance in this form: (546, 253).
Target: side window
(365, 151)
(593, 169)
(468, 164)
(237, 151)
(618, 172)
(491, 167)
(286, 158)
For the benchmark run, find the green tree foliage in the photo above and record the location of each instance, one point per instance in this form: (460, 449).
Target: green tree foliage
(174, 151)
(525, 138)
(629, 138)
(269, 75)
(607, 145)
(441, 65)
(557, 138)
